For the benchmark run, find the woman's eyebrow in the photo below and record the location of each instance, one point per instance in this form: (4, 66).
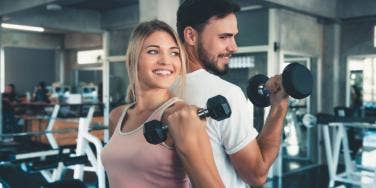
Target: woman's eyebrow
(157, 46)
(152, 45)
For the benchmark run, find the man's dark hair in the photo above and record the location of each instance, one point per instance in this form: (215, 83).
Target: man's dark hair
(196, 13)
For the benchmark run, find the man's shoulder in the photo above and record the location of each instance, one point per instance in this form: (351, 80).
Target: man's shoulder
(211, 80)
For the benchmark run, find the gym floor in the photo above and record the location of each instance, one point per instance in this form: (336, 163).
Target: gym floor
(316, 177)
(313, 176)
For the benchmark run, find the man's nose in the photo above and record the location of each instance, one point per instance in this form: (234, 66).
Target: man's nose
(232, 47)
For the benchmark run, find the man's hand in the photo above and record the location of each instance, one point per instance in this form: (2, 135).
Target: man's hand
(278, 96)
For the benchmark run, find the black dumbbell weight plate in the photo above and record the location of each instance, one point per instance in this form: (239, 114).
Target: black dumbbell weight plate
(154, 132)
(252, 91)
(218, 107)
(297, 80)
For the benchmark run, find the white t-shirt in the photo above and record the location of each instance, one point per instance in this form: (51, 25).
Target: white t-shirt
(227, 136)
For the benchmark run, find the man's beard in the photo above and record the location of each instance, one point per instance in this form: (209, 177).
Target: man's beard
(210, 64)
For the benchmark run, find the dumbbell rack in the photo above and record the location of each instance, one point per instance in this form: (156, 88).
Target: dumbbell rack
(55, 174)
(353, 172)
(82, 149)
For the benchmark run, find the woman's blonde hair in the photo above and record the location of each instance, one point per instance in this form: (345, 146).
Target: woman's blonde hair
(136, 41)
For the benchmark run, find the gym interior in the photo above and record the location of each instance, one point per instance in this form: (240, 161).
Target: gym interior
(68, 72)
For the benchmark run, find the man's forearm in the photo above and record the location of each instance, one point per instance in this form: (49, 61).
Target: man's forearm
(270, 138)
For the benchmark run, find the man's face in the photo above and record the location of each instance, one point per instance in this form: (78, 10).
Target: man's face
(217, 42)
(8, 89)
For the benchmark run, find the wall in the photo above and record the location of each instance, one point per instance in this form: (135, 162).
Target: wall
(351, 8)
(90, 76)
(31, 40)
(118, 74)
(83, 41)
(119, 41)
(357, 36)
(26, 67)
(118, 83)
(323, 8)
(253, 27)
(300, 33)
(74, 42)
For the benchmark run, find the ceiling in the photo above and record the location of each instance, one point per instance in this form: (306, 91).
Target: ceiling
(96, 15)
(70, 15)
(97, 5)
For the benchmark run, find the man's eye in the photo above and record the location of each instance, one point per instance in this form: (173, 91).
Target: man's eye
(152, 52)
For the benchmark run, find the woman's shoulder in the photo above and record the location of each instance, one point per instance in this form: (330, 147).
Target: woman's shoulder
(115, 116)
(116, 112)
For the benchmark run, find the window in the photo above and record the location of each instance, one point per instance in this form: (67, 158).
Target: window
(374, 36)
(2, 71)
(90, 56)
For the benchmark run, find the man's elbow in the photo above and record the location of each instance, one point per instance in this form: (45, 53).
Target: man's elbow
(258, 180)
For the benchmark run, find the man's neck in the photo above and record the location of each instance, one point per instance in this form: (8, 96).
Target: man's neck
(193, 62)
(193, 66)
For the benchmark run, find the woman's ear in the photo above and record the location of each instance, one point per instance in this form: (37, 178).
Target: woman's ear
(190, 35)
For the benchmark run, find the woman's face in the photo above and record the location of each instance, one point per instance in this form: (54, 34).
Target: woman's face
(159, 61)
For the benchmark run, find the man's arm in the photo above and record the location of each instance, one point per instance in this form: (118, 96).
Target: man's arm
(254, 160)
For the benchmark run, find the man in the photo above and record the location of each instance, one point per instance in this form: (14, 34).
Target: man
(9, 100)
(208, 29)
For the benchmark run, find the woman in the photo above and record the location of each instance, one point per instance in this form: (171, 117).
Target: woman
(154, 60)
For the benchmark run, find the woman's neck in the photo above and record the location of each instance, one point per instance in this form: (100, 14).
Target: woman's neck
(150, 100)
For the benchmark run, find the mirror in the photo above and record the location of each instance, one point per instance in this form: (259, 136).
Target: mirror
(361, 85)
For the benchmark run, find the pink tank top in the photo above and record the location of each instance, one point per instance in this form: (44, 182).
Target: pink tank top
(130, 161)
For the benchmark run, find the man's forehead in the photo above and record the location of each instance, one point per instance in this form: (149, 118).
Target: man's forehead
(227, 24)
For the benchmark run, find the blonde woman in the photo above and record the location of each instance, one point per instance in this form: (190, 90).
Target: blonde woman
(155, 58)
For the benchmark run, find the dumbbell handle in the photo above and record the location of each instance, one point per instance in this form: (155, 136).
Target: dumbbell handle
(218, 108)
(262, 90)
(201, 113)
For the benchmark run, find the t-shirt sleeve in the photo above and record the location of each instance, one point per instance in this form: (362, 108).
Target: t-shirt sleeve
(237, 131)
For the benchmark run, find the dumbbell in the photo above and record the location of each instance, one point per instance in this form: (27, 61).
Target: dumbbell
(155, 132)
(297, 82)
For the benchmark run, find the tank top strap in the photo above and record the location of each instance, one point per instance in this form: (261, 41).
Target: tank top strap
(157, 115)
(122, 116)
(159, 112)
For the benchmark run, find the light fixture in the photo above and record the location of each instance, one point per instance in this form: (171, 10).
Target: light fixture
(251, 7)
(54, 7)
(22, 27)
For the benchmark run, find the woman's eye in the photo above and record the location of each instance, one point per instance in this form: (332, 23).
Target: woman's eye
(175, 53)
(152, 52)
